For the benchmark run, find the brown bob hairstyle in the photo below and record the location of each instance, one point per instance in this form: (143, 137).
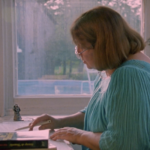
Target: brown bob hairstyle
(113, 40)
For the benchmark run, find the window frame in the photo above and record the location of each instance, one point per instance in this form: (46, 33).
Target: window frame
(6, 55)
(145, 25)
(39, 104)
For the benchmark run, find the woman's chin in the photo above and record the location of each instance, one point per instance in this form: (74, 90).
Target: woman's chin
(89, 67)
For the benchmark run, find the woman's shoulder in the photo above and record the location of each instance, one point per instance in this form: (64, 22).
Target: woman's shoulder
(133, 66)
(131, 73)
(128, 80)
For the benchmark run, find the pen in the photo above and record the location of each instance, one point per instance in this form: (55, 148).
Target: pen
(38, 124)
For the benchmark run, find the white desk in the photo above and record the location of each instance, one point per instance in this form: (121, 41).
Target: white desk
(7, 124)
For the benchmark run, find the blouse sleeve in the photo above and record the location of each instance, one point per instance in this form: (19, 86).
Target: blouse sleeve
(83, 110)
(126, 109)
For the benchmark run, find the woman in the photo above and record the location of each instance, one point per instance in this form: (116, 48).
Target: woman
(118, 114)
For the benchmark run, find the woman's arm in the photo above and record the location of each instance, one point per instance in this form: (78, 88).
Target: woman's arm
(77, 136)
(75, 120)
(90, 140)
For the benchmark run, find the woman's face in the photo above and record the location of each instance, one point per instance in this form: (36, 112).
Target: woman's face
(87, 56)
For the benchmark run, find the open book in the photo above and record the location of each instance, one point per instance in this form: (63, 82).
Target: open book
(38, 139)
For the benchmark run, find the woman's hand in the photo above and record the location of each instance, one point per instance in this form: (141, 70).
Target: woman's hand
(52, 125)
(70, 134)
(77, 136)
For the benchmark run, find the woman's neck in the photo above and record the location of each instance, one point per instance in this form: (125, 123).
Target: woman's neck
(109, 72)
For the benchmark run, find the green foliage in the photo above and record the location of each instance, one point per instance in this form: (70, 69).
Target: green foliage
(79, 76)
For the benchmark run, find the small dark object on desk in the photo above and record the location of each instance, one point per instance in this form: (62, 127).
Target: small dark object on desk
(17, 116)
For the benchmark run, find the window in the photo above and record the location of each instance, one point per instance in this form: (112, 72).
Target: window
(40, 71)
(45, 52)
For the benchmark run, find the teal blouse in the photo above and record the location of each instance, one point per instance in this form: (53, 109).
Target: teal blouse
(122, 111)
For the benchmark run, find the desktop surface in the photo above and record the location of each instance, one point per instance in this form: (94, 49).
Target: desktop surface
(8, 125)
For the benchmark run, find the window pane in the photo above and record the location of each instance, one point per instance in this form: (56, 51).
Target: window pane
(46, 60)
